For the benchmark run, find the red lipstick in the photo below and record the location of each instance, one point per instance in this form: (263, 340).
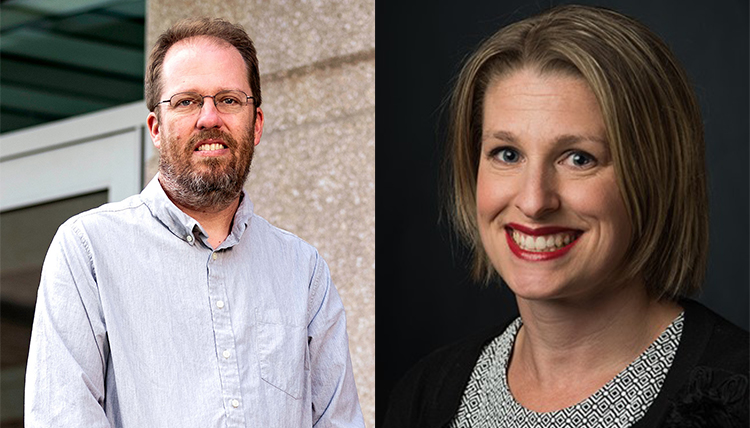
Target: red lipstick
(538, 256)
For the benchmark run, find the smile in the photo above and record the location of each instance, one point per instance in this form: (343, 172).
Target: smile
(540, 244)
(543, 243)
(210, 147)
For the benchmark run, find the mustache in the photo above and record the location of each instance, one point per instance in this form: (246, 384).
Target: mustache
(212, 134)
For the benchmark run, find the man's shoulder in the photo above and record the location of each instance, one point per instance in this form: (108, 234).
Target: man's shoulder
(270, 233)
(109, 209)
(106, 214)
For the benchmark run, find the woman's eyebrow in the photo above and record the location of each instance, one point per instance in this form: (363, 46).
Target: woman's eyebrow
(500, 135)
(569, 139)
(562, 140)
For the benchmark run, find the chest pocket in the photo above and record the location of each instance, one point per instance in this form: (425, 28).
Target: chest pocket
(282, 353)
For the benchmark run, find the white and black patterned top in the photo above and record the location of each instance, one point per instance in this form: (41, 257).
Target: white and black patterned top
(487, 401)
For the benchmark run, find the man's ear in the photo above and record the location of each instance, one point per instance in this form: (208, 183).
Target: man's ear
(258, 125)
(153, 128)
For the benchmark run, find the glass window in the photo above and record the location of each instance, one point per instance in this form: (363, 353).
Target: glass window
(64, 58)
(26, 235)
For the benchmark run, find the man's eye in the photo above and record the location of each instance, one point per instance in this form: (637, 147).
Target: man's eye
(184, 102)
(229, 101)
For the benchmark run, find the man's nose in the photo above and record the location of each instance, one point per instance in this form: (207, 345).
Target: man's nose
(209, 116)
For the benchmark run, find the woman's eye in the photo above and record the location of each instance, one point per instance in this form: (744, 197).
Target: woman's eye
(580, 160)
(506, 155)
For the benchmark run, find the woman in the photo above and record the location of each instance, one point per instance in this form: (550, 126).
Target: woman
(578, 177)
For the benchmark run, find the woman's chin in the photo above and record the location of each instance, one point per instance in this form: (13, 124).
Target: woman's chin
(534, 286)
(532, 289)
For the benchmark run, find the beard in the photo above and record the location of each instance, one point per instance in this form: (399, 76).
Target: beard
(206, 184)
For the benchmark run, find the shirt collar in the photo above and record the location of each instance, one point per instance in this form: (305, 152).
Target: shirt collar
(186, 227)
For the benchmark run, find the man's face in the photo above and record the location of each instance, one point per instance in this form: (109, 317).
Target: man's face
(206, 155)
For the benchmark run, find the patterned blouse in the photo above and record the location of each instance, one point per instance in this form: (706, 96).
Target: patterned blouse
(487, 401)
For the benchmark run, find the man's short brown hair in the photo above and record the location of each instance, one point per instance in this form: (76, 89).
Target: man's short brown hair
(220, 29)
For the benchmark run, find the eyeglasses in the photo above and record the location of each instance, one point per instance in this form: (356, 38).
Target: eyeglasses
(229, 102)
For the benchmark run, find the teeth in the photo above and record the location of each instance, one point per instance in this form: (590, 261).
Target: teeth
(207, 147)
(543, 243)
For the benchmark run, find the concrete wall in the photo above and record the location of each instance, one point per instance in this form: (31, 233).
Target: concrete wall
(314, 170)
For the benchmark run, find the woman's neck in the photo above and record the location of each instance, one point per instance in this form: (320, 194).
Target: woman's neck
(568, 349)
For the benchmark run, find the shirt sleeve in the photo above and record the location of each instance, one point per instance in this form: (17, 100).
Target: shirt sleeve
(334, 394)
(67, 357)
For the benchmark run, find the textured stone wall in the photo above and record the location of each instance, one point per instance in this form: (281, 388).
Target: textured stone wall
(314, 170)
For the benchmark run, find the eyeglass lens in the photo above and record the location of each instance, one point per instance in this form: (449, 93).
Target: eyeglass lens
(225, 101)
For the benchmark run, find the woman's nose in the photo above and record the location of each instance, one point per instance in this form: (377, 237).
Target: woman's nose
(538, 194)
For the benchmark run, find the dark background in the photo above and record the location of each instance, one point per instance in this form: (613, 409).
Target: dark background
(425, 297)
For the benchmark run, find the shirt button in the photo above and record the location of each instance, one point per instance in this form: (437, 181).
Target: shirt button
(189, 238)
(220, 304)
(214, 256)
(226, 355)
(235, 403)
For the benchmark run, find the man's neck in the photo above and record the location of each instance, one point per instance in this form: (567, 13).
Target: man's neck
(216, 221)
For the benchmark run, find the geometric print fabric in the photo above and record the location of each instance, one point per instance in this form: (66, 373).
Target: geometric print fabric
(488, 403)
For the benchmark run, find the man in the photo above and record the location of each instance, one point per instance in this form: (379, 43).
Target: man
(180, 307)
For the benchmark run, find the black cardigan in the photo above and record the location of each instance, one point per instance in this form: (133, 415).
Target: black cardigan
(706, 386)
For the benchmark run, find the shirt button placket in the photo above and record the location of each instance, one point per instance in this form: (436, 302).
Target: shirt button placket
(223, 335)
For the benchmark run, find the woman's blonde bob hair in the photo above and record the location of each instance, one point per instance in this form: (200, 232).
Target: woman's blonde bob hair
(654, 131)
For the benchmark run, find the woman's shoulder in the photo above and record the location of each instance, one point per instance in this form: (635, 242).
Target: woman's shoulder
(708, 380)
(442, 364)
(430, 392)
(717, 342)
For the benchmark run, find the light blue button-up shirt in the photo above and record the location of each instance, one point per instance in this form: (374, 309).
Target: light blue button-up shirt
(140, 323)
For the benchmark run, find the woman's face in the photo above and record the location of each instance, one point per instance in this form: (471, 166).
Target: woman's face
(550, 213)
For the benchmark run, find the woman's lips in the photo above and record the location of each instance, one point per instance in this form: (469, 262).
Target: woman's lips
(540, 244)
